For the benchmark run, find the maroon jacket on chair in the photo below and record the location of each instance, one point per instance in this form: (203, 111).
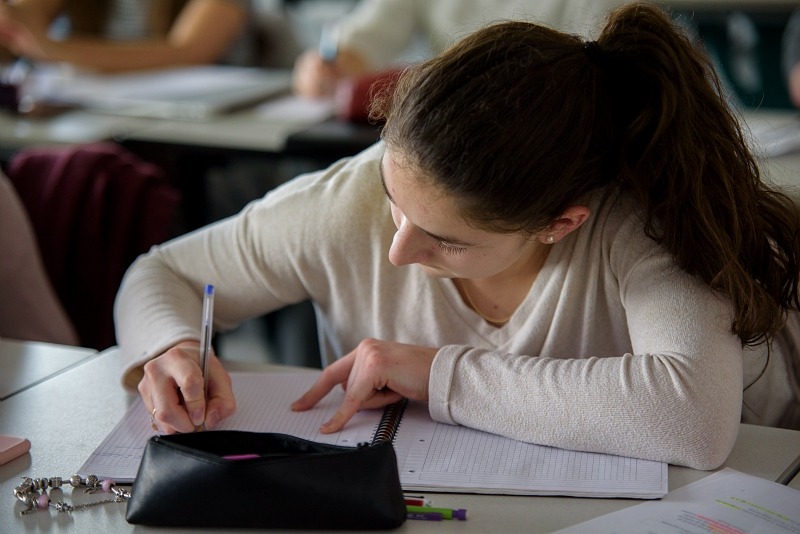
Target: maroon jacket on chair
(94, 209)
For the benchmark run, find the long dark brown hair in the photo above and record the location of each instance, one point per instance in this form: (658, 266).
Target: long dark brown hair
(519, 122)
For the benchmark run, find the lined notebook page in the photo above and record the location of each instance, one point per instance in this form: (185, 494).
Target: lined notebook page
(459, 459)
(431, 456)
(263, 401)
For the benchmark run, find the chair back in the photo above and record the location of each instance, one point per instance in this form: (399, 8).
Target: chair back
(94, 209)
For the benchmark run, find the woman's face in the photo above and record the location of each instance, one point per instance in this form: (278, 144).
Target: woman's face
(430, 232)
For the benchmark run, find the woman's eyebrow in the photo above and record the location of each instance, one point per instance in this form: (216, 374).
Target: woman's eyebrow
(383, 181)
(449, 240)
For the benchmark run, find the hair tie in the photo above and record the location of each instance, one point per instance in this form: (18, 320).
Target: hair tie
(594, 53)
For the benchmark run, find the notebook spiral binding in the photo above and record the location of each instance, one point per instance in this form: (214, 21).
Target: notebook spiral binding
(390, 421)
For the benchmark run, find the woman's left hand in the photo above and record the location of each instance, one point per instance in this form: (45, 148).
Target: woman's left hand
(375, 374)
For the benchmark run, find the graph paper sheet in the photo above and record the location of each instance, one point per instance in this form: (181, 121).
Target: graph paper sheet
(441, 457)
(431, 456)
(262, 406)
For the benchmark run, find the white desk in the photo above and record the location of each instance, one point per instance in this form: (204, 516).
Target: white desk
(67, 416)
(262, 127)
(239, 130)
(253, 129)
(68, 128)
(25, 363)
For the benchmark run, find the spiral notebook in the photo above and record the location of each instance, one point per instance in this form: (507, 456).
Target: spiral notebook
(431, 456)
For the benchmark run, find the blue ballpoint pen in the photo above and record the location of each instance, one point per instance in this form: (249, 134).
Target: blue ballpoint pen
(205, 336)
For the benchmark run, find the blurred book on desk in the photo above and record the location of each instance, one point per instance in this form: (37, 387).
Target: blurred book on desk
(186, 93)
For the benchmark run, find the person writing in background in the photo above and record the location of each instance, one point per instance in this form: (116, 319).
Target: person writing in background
(125, 35)
(791, 56)
(561, 241)
(378, 32)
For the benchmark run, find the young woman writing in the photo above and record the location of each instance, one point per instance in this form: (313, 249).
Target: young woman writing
(560, 241)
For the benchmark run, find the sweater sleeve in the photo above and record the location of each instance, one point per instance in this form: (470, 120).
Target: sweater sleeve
(674, 397)
(381, 30)
(159, 302)
(260, 260)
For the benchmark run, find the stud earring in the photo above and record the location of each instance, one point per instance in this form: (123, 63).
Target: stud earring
(550, 239)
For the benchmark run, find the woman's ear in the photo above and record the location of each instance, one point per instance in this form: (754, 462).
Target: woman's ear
(572, 218)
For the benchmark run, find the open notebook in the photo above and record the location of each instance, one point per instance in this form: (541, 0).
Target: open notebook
(431, 456)
(189, 93)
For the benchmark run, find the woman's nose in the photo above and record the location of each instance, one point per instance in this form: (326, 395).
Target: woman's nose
(408, 245)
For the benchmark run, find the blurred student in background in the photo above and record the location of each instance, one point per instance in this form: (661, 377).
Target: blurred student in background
(127, 35)
(29, 307)
(378, 32)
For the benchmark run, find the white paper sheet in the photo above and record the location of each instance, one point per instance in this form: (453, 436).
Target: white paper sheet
(727, 502)
(431, 455)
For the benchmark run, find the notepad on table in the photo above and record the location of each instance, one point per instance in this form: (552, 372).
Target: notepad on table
(431, 456)
(187, 93)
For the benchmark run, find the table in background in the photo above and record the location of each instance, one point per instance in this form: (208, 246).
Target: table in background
(251, 130)
(261, 146)
(73, 413)
(26, 363)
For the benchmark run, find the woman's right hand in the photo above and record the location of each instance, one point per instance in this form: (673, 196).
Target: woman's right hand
(172, 390)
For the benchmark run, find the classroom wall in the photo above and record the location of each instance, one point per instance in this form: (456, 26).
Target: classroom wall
(746, 46)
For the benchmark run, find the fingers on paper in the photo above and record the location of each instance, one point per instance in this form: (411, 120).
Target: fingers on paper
(336, 373)
(352, 403)
(363, 373)
(366, 386)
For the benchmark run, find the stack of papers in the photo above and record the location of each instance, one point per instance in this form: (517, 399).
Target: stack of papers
(188, 93)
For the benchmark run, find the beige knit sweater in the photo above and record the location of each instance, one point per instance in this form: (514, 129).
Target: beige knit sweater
(614, 349)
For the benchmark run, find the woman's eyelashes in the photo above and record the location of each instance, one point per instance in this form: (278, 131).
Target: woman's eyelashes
(448, 248)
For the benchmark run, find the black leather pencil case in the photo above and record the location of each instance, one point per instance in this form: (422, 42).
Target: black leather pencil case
(235, 479)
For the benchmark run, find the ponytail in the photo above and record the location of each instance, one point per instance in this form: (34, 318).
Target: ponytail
(682, 153)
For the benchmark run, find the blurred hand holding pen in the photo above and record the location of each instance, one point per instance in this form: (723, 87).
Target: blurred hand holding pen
(329, 42)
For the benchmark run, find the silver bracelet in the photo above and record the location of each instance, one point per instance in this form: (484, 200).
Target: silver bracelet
(32, 492)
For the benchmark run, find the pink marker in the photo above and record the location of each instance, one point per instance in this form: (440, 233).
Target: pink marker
(240, 456)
